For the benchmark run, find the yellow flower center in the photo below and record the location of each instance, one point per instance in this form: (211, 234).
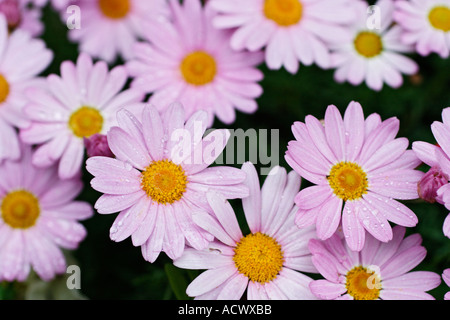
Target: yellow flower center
(348, 181)
(440, 18)
(4, 89)
(363, 284)
(198, 68)
(20, 209)
(368, 44)
(86, 122)
(258, 257)
(164, 181)
(283, 12)
(115, 9)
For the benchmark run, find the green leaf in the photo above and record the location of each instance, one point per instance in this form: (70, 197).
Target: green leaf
(178, 282)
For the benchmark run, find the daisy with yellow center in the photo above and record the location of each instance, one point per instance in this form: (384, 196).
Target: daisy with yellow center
(379, 272)
(15, 79)
(373, 56)
(186, 59)
(292, 32)
(359, 168)
(266, 263)
(111, 27)
(425, 25)
(38, 218)
(79, 104)
(156, 191)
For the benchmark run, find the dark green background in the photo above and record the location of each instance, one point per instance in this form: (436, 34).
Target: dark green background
(117, 270)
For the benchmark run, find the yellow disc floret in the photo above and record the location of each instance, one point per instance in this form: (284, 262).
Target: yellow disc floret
(115, 9)
(348, 181)
(86, 122)
(259, 257)
(198, 68)
(283, 12)
(164, 181)
(4, 89)
(368, 44)
(20, 209)
(363, 284)
(440, 18)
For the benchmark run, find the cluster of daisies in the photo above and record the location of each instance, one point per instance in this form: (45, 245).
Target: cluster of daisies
(150, 157)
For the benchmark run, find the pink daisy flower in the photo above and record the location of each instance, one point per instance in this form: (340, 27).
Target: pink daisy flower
(22, 59)
(110, 27)
(193, 64)
(20, 16)
(425, 24)
(358, 169)
(159, 177)
(381, 271)
(39, 217)
(439, 157)
(83, 101)
(290, 30)
(266, 261)
(374, 56)
(446, 277)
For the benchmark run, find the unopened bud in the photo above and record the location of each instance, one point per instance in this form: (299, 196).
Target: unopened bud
(97, 145)
(430, 183)
(11, 10)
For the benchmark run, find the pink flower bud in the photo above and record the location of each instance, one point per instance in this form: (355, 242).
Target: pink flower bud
(430, 183)
(97, 145)
(11, 10)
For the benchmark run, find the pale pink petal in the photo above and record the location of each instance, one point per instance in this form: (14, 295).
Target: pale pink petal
(401, 294)
(154, 245)
(312, 197)
(335, 131)
(65, 233)
(234, 288)
(305, 218)
(446, 226)
(146, 225)
(416, 280)
(106, 167)
(442, 135)
(71, 159)
(108, 203)
(329, 218)
(126, 149)
(61, 193)
(174, 241)
(385, 154)
(210, 224)
(393, 210)
(225, 214)
(153, 133)
(209, 280)
(374, 221)
(403, 262)
(354, 130)
(353, 229)
(202, 259)
(327, 290)
(195, 236)
(129, 220)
